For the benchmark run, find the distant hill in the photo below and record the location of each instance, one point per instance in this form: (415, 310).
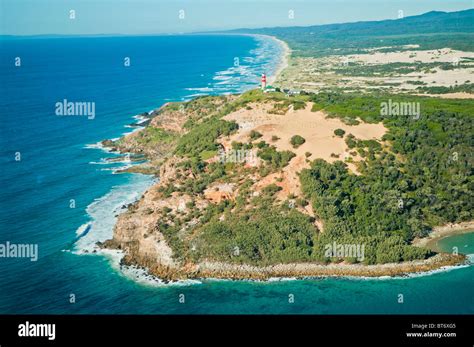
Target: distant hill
(430, 30)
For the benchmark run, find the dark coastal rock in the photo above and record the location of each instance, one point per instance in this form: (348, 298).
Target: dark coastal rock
(139, 124)
(108, 143)
(108, 244)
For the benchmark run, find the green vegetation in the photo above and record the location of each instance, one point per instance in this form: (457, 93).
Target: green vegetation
(394, 69)
(271, 189)
(257, 96)
(205, 155)
(155, 135)
(203, 137)
(297, 141)
(283, 107)
(346, 204)
(349, 107)
(276, 159)
(351, 141)
(425, 180)
(266, 235)
(466, 88)
(254, 135)
(433, 30)
(419, 176)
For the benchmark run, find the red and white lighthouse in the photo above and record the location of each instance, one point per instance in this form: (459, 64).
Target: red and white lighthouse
(264, 81)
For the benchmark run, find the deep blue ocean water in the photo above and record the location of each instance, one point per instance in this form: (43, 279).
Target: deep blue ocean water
(60, 161)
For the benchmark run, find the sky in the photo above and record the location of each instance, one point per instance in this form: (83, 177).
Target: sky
(136, 17)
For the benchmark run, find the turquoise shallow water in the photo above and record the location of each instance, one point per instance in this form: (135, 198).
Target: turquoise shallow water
(60, 162)
(462, 243)
(99, 289)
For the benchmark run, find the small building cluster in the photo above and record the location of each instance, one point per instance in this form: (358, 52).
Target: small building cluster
(269, 88)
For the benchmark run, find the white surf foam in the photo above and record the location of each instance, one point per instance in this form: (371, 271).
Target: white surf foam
(100, 146)
(117, 169)
(245, 75)
(135, 129)
(140, 275)
(102, 161)
(102, 212)
(141, 119)
(203, 90)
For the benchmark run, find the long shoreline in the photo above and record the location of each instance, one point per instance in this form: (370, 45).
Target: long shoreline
(308, 270)
(216, 270)
(228, 271)
(283, 60)
(282, 64)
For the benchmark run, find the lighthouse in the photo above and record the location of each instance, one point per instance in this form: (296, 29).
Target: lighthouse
(264, 81)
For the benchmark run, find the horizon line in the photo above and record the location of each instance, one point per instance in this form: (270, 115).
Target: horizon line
(210, 32)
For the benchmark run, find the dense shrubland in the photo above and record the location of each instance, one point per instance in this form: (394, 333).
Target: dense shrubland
(419, 176)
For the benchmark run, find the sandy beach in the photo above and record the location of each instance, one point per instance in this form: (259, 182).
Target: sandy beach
(314, 127)
(283, 61)
(284, 58)
(442, 232)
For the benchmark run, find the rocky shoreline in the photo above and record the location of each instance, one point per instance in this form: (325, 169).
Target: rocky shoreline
(137, 232)
(144, 246)
(302, 270)
(170, 271)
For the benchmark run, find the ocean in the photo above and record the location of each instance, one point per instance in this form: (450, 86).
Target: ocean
(59, 192)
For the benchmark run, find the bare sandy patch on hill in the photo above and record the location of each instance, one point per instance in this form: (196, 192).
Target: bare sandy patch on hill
(314, 127)
(444, 67)
(444, 55)
(460, 95)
